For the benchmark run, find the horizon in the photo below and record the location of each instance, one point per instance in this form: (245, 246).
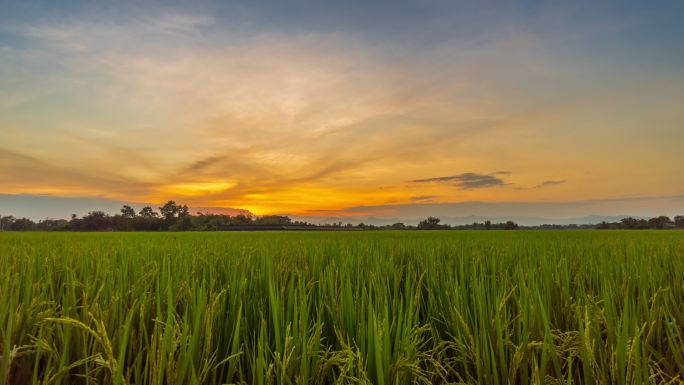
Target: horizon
(52, 208)
(392, 110)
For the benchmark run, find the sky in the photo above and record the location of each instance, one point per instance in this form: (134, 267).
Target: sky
(358, 108)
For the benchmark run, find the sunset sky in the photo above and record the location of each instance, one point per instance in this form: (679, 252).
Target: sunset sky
(345, 108)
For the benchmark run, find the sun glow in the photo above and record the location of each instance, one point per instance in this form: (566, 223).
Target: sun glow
(196, 188)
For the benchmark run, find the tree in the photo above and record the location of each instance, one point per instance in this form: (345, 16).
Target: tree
(660, 222)
(52, 225)
(429, 223)
(6, 222)
(127, 212)
(488, 225)
(169, 210)
(632, 223)
(273, 220)
(21, 224)
(96, 220)
(183, 223)
(147, 212)
(510, 225)
(679, 221)
(241, 220)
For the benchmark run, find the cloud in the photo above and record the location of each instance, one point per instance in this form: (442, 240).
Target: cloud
(469, 180)
(201, 164)
(423, 198)
(79, 36)
(549, 183)
(545, 183)
(22, 173)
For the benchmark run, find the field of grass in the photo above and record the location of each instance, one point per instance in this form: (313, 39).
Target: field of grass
(471, 307)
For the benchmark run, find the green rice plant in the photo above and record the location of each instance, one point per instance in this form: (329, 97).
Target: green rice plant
(406, 307)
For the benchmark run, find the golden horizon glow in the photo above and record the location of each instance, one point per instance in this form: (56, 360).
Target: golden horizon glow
(195, 189)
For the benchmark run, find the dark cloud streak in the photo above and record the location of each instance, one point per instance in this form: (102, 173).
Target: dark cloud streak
(469, 180)
(423, 198)
(549, 183)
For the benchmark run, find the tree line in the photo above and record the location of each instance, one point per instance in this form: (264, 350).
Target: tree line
(175, 217)
(656, 223)
(661, 222)
(169, 217)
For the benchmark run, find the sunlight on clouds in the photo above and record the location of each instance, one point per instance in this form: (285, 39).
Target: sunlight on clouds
(196, 188)
(305, 199)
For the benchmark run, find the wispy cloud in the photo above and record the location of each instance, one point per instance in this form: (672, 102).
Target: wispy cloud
(21, 173)
(469, 180)
(84, 34)
(543, 184)
(549, 183)
(423, 198)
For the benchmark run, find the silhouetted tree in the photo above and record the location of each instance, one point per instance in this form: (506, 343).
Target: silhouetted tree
(6, 222)
(633, 223)
(510, 225)
(147, 212)
(430, 223)
(96, 220)
(20, 224)
(169, 210)
(127, 212)
(273, 220)
(52, 225)
(183, 223)
(679, 221)
(660, 222)
(241, 220)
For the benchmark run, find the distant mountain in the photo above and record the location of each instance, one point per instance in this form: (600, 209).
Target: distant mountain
(524, 213)
(521, 220)
(39, 207)
(534, 221)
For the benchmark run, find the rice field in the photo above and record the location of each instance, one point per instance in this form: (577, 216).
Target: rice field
(405, 307)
